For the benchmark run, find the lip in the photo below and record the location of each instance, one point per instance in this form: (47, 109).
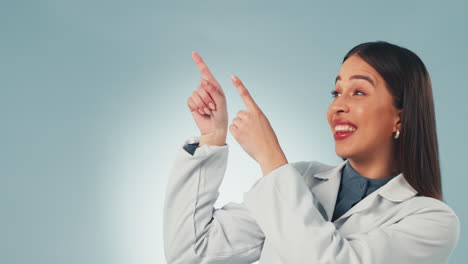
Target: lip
(343, 122)
(343, 135)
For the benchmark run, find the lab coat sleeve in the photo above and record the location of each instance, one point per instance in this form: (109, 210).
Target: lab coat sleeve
(283, 206)
(195, 231)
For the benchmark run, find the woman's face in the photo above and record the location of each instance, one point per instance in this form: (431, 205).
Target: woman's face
(362, 98)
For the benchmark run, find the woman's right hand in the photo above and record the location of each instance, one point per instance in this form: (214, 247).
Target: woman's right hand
(212, 123)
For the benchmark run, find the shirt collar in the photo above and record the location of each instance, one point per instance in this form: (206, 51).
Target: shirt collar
(351, 177)
(397, 189)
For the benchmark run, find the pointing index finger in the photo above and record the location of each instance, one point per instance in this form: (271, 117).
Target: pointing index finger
(244, 93)
(204, 70)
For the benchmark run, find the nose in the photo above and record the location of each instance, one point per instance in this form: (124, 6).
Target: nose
(339, 105)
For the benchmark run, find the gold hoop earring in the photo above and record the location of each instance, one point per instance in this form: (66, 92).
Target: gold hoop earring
(397, 134)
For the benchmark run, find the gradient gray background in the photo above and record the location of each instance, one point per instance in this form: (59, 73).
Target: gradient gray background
(93, 106)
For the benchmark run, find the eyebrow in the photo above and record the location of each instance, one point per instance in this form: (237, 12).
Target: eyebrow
(361, 77)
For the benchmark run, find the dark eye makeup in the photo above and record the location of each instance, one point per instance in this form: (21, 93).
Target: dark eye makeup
(335, 93)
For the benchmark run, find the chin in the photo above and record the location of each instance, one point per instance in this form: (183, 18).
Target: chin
(343, 153)
(343, 156)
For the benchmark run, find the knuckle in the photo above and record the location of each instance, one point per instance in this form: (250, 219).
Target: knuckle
(197, 99)
(200, 88)
(197, 103)
(206, 97)
(199, 91)
(243, 114)
(203, 95)
(210, 87)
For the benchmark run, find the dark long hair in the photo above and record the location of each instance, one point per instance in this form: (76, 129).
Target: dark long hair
(408, 81)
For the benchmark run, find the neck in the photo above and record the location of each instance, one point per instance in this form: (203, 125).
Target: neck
(375, 165)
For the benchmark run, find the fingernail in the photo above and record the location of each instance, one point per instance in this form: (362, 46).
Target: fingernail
(201, 111)
(195, 56)
(211, 106)
(207, 111)
(233, 77)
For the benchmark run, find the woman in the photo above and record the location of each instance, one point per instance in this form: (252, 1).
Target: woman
(382, 204)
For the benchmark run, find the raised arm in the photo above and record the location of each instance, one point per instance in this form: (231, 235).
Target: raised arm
(195, 231)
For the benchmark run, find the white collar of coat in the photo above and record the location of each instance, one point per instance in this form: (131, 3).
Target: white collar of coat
(396, 190)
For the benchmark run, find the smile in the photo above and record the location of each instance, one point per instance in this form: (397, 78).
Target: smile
(340, 135)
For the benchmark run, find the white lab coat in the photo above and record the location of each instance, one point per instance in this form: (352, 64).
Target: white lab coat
(286, 218)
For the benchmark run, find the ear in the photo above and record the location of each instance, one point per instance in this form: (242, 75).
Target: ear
(397, 121)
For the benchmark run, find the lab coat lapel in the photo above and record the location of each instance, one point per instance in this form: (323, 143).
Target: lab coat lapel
(396, 190)
(327, 188)
(364, 204)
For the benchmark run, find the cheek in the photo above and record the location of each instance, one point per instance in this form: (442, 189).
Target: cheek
(376, 121)
(329, 116)
(369, 117)
(362, 114)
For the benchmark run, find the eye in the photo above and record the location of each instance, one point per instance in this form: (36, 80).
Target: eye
(357, 91)
(335, 93)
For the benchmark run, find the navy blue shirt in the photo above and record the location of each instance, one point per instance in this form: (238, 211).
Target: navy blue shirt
(353, 187)
(190, 148)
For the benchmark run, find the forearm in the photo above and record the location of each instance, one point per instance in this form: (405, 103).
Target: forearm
(191, 192)
(274, 159)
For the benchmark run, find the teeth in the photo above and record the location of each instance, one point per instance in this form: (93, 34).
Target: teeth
(345, 128)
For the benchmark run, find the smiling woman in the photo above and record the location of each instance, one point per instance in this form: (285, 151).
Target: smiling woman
(397, 101)
(382, 204)
(363, 102)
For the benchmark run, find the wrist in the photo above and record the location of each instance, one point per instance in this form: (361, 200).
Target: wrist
(277, 159)
(216, 138)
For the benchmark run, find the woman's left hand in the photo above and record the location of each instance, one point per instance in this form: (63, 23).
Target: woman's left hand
(254, 133)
